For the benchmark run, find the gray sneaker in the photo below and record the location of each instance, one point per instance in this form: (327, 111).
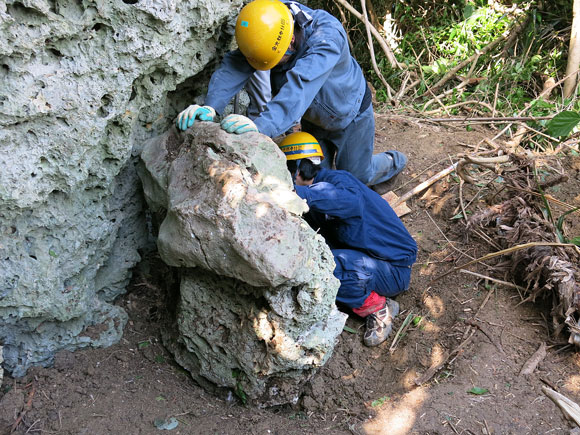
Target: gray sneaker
(380, 323)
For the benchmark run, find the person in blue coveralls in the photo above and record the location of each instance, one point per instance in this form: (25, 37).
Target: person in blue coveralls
(372, 249)
(314, 81)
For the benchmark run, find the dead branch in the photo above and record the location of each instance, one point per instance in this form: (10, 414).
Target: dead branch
(373, 15)
(467, 61)
(372, 50)
(464, 103)
(495, 99)
(425, 184)
(489, 278)
(515, 32)
(502, 252)
(531, 364)
(385, 47)
(542, 94)
(533, 130)
(570, 409)
(404, 90)
(488, 162)
(492, 119)
(456, 89)
(516, 139)
(547, 196)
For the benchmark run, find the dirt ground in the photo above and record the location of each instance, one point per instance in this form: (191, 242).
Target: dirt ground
(134, 387)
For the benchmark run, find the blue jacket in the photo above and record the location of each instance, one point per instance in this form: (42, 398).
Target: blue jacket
(352, 216)
(322, 82)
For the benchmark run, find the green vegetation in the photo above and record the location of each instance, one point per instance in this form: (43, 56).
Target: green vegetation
(239, 376)
(506, 53)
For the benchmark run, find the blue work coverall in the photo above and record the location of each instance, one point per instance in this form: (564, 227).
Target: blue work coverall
(323, 87)
(372, 248)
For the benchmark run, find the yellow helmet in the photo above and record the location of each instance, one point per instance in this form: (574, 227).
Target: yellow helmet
(300, 145)
(264, 31)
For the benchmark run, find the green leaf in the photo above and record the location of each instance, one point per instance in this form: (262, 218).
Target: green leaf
(380, 401)
(563, 123)
(576, 241)
(239, 391)
(348, 329)
(417, 320)
(468, 11)
(52, 253)
(460, 215)
(143, 344)
(560, 222)
(478, 391)
(159, 359)
(160, 399)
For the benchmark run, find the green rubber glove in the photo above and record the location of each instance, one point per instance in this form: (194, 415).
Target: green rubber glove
(238, 124)
(186, 118)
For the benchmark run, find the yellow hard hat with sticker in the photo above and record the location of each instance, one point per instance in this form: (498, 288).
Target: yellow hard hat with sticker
(300, 145)
(264, 31)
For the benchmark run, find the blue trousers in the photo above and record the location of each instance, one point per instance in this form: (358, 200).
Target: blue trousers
(352, 150)
(360, 274)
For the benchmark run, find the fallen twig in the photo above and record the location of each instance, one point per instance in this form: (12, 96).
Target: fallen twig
(491, 119)
(420, 173)
(489, 278)
(455, 90)
(531, 364)
(539, 133)
(27, 407)
(436, 367)
(503, 252)
(549, 384)
(491, 290)
(463, 103)
(400, 332)
(426, 184)
(487, 334)
(446, 238)
(545, 195)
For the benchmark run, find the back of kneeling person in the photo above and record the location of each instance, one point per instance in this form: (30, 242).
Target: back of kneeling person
(372, 248)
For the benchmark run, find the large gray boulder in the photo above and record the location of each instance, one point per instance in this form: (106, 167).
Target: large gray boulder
(83, 85)
(257, 308)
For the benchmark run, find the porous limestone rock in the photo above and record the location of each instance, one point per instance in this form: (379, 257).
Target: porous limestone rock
(83, 85)
(257, 310)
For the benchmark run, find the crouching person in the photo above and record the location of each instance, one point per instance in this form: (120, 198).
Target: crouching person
(372, 248)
